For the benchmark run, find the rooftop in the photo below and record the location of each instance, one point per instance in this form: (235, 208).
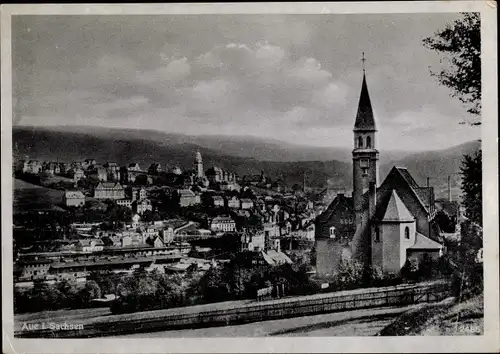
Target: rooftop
(424, 243)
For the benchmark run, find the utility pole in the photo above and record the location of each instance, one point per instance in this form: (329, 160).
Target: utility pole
(428, 189)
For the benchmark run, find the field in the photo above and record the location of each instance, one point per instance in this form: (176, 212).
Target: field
(29, 196)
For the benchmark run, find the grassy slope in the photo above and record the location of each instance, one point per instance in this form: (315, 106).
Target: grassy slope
(445, 318)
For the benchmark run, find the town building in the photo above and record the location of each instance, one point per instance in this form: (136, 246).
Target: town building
(76, 173)
(306, 233)
(218, 201)
(279, 186)
(246, 203)
(167, 235)
(226, 186)
(51, 168)
(34, 269)
(253, 242)
(198, 165)
(32, 167)
(142, 178)
(134, 167)
(188, 198)
(271, 230)
(156, 242)
(393, 221)
(109, 190)
(73, 199)
(222, 224)
(260, 205)
(125, 203)
(275, 258)
(141, 206)
(255, 180)
(93, 245)
(233, 202)
(112, 171)
(88, 163)
(135, 193)
(177, 171)
(217, 174)
(98, 173)
(154, 168)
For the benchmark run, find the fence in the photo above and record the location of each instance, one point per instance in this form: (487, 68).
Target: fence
(262, 311)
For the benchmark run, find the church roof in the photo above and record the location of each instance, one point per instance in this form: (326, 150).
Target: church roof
(340, 199)
(365, 120)
(424, 243)
(396, 211)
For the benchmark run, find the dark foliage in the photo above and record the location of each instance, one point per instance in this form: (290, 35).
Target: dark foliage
(472, 173)
(461, 43)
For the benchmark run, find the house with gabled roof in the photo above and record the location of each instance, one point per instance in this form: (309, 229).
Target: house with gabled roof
(74, 198)
(109, 190)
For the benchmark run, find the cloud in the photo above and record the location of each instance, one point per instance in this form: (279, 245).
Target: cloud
(295, 78)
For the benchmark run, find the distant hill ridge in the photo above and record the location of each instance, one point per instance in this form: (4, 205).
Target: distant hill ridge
(244, 155)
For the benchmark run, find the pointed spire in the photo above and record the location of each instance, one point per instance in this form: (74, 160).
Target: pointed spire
(396, 210)
(364, 118)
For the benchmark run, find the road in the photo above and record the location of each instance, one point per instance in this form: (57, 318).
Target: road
(367, 322)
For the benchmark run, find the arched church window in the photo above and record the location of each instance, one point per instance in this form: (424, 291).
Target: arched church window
(360, 142)
(368, 142)
(407, 233)
(377, 234)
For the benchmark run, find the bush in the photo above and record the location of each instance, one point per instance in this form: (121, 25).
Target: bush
(409, 272)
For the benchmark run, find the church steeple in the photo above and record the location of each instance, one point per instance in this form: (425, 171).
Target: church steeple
(365, 154)
(365, 120)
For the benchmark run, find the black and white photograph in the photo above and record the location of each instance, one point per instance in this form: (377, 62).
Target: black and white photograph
(182, 175)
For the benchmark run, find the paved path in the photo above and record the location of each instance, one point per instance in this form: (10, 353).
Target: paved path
(367, 322)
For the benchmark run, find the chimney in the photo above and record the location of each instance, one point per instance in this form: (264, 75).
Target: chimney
(449, 188)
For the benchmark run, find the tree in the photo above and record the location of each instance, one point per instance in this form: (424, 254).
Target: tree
(472, 187)
(90, 291)
(444, 222)
(461, 44)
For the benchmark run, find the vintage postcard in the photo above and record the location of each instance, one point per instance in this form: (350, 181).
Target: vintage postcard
(282, 177)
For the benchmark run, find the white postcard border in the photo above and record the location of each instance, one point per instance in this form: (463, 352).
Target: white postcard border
(488, 342)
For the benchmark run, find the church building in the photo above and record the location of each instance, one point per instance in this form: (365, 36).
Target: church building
(380, 224)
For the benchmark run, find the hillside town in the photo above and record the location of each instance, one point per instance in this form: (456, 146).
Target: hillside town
(119, 220)
(262, 216)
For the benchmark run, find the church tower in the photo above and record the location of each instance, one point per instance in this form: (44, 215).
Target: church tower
(365, 155)
(198, 165)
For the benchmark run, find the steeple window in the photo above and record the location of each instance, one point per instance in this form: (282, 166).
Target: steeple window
(368, 142)
(360, 142)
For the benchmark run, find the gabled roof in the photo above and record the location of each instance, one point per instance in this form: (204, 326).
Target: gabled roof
(73, 195)
(424, 243)
(275, 258)
(365, 120)
(186, 193)
(395, 210)
(109, 185)
(339, 200)
(405, 177)
(222, 219)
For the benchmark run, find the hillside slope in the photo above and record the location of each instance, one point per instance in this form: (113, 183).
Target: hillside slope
(70, 146)
(234, 153)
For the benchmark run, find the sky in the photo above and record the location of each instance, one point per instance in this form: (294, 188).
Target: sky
(295, 78)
